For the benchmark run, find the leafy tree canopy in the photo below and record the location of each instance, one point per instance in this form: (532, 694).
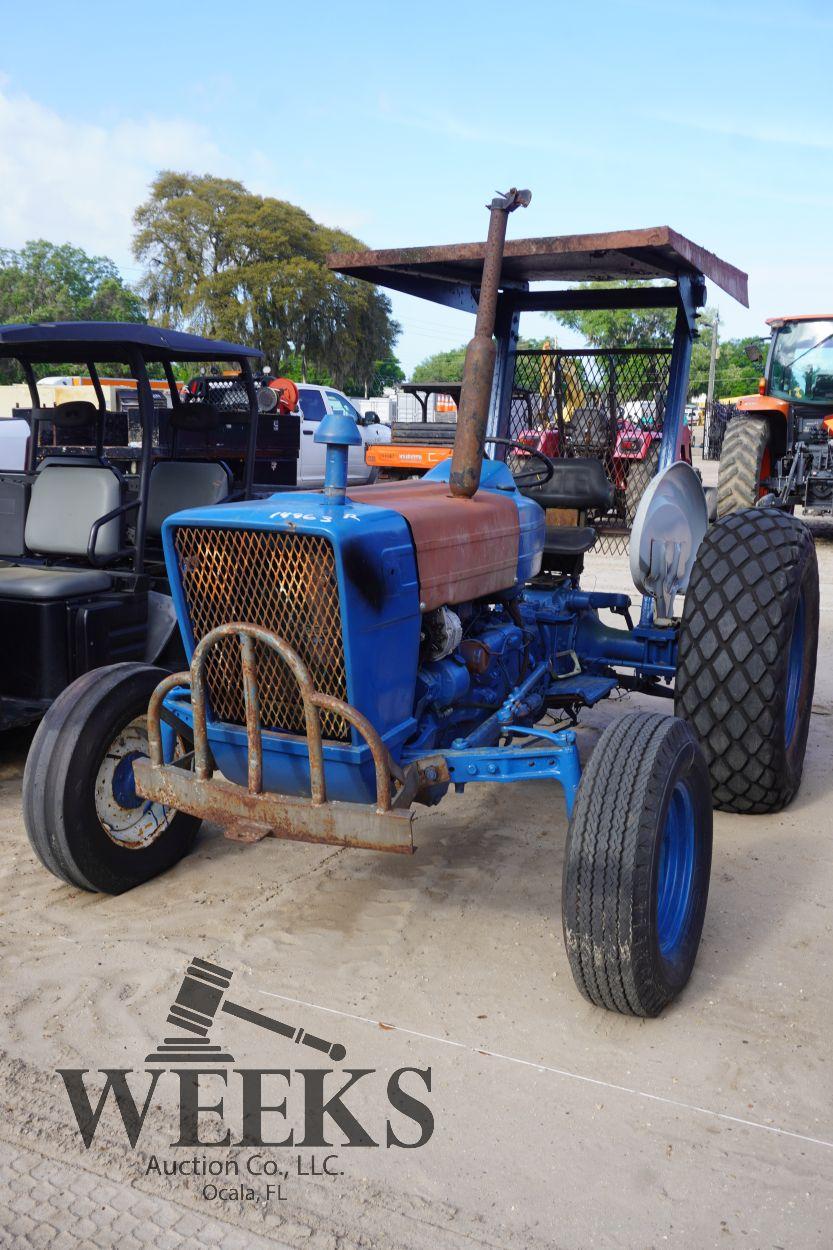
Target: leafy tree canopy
(57, 282)
(633, 327)
(441, 367)
(385, 373)
(654, 327)
(734, 373)
(448, 366)
(223, 262)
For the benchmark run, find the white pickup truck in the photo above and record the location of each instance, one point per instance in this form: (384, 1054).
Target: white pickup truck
(315, 402)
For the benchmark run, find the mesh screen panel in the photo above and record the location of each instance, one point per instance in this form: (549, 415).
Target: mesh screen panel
(283, 582)
(717, 420)
(596, 402)
(226, 393)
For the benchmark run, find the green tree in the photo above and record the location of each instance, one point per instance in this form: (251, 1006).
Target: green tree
(735, 374)
(632, 327)
(441, 367)
(654, 327)
(385, 373)
(221, 261)
(58, 282)
(448, 366)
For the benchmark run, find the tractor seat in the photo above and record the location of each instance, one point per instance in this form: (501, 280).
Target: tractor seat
(179, 484)
(24, 582)
(569, 540)
(66, 499)
(577, 482)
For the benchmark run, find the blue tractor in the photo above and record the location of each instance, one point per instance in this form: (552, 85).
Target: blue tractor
(355, 653)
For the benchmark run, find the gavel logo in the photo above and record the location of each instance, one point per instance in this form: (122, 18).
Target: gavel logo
(195, 1008)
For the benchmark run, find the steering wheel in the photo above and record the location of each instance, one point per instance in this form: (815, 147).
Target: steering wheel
(523, 474)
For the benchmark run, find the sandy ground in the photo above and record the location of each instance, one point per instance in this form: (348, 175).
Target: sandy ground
(711, 1126)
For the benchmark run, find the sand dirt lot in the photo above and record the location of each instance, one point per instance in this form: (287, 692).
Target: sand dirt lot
(556, 1124)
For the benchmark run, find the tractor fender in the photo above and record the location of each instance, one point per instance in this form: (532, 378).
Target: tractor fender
(763, 406)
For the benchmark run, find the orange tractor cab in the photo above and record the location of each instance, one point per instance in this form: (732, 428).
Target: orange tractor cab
(780, 443)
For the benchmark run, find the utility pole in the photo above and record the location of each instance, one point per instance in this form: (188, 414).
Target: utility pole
(712, 363)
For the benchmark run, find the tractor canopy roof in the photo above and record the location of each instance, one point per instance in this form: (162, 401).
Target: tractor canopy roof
(658, 252)
(78, 342)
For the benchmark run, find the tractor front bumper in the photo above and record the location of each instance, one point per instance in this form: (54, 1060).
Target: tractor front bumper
(247, 815)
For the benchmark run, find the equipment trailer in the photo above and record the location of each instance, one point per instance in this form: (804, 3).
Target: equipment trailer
(354, 653)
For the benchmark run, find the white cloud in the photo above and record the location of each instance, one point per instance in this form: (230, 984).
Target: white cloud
(75, 181)
(71, 180)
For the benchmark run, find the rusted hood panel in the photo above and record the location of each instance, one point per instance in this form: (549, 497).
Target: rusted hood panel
(465, 548)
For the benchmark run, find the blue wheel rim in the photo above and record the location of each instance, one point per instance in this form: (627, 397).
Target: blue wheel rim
(124, 783)
(675, 879)
(795, 668)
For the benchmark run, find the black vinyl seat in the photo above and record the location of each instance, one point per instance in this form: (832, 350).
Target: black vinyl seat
(33, 582)
(577, 482)
(569, 540)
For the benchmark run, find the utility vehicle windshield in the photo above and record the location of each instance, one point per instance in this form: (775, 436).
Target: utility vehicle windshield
(802, 361)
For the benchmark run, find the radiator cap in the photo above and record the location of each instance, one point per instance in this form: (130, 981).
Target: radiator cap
(338, 430)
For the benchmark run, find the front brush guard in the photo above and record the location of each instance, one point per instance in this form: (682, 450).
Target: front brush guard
(247, 815)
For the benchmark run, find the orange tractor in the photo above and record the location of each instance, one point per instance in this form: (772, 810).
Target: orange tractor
(779, 445)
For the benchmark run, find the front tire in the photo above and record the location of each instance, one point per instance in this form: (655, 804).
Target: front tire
(746, 461)
(84, 820)
(746, 660)
(637, 865)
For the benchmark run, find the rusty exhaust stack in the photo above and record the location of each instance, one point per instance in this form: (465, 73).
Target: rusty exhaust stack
(479, 368)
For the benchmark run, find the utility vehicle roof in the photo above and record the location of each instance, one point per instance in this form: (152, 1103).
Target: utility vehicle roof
(659, 252)
(77, 342)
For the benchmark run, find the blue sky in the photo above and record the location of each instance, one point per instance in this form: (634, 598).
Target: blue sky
(398, 121)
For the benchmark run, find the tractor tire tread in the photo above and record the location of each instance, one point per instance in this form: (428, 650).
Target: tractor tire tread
(40, 770)
(733, 646)
(608, 863)
(738, 479)
(50, 763)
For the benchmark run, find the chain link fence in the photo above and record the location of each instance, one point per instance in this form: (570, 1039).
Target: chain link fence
(715, 431)
(604, 403)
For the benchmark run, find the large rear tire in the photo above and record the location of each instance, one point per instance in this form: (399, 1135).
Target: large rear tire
(746, 462)
(637, 865)
(83, 817)
(746, 660)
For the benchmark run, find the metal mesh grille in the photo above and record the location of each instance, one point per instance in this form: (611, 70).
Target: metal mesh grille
(283, 582)
(716, 422)
(226, 393)
(609, 404)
